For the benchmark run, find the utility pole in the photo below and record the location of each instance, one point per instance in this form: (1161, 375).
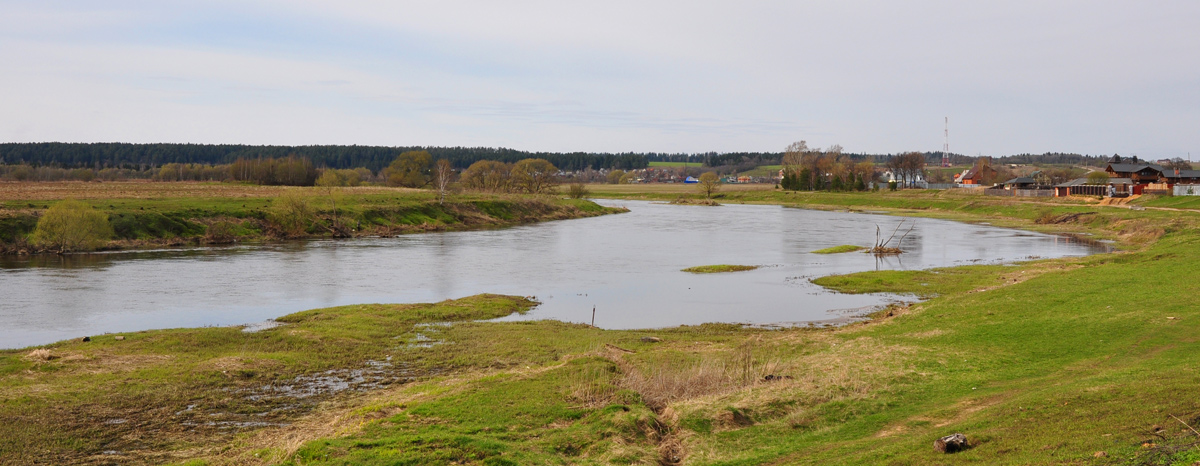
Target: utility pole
(946, 145)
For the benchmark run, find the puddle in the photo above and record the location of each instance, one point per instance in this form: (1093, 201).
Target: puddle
(242, 424)
(377, 374)
(420, 339)
(276, 402)
(260, 326)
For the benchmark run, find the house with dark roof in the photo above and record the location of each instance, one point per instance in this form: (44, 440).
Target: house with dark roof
(1139, 172)
(1023, 182)
(1150, 176)
(1178, 176)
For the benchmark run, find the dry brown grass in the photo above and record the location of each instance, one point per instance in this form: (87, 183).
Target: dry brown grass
(834, 369)
(1139, 231)
(665, 383)
(737, 376)
(45, 191)
(40, 354)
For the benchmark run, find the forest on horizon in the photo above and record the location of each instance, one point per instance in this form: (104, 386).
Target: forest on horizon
(375, 158)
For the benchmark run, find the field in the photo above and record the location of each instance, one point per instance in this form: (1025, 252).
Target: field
(1068, 361)
(763, 170)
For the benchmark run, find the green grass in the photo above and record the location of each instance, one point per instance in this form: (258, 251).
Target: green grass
(1041, 362)
(839, 249)
(720, 268)
(1177, 202)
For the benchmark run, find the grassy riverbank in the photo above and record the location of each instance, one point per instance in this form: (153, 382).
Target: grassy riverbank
(145, 214)
(1078, 361)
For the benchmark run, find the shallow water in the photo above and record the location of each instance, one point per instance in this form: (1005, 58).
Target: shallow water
(627, 266)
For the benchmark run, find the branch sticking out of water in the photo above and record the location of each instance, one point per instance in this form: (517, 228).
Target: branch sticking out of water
(883, 248)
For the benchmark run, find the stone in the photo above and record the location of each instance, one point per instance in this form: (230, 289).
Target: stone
(951, 443)
(651, 339)
(119, 338)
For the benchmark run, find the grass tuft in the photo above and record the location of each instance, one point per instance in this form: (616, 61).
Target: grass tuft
(719, 268)
(839, 249)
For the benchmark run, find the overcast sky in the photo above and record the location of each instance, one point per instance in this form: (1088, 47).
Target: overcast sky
(1096, 77)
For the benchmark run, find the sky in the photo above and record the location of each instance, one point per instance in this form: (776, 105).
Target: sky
(1094, 77)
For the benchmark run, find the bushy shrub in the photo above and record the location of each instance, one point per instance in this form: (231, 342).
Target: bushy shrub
(71, 225)
(578, 191)
(291, 214)
(335, 178)
(221, 232)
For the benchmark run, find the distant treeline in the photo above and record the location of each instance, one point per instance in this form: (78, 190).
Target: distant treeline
(143, 157)
(375, 158)
(1054, 157)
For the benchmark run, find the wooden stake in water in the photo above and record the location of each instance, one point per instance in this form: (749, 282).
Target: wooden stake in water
(593, 315)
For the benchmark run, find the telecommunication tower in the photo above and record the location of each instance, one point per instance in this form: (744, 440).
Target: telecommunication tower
(946, 145)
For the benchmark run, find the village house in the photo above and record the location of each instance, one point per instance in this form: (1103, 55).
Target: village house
(1130, 176)
(918, 181)
(1149, 177)
(1023, 182)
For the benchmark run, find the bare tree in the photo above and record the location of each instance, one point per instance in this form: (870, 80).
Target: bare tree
(907, 167)
(794, 152)
(914, 166)
(442, 172)
(896, 165)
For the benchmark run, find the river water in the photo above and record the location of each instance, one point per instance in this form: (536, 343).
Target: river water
(626, 266)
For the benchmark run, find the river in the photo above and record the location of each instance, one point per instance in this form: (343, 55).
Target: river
(626, 266)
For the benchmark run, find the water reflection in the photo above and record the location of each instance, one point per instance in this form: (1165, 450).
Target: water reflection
(627, 266)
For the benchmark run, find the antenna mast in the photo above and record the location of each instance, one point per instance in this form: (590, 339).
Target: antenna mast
(946, 146)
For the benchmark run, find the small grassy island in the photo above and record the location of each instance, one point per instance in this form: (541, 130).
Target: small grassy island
(720, 268)
(839, 249)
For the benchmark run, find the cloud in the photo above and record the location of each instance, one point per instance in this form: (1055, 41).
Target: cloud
(613, 76)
